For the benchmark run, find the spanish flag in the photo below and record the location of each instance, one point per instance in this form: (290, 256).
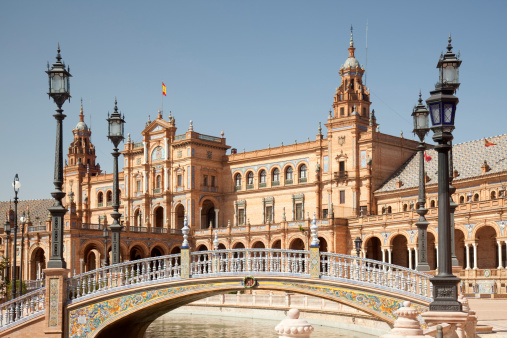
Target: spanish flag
(489, 143)
(163, 89)
(427, 157)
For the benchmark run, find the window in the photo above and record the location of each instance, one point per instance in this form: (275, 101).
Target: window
(405, 207)
(241, 216)
(342, 196)
(180, 180)
(237, 180)
(432, 204)
(493, 195)
(341, 165)
(476, 197)
(288, 173)
(363, 210)
(462, 199)
(389, 210)
(325, 213)
(158, 184)
(342, 111)
(269, 214)
(109, 196)
(212, 181)
(205, 180)
(302, 173)
(262, 177)
(138, 185)
(250, 177)
(276, 175)
(100, 199)
(299, 211)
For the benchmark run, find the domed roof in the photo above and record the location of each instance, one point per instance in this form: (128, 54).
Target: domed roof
(81, 126)
(351, 62)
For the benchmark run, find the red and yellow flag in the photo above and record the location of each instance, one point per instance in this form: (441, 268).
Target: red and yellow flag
(163, 89)
(489, 143)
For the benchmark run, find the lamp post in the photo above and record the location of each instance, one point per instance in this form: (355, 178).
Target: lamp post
(452, 208)
(115, 134)
(421, 128)
(16, 185)
(105, 233)
(59, 91)
(22, 219)
(7, 230)
(358, 243)
(442, 104)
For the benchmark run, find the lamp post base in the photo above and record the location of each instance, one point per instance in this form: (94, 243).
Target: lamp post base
(445, 294)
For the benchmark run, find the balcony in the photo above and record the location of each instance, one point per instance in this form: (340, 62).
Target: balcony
(275, 183)
(287, 182)
(238, 187)
(303, 180)
(100, 205)
(37, 228)
(91, 226)
(262, 185)
(159, 230)
(249, 186)
(138, 229)
(157, 191)
(341, 175)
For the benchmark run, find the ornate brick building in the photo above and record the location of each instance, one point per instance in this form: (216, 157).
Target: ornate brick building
(357, 181)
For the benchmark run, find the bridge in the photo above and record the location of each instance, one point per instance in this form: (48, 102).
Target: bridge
(123, 299)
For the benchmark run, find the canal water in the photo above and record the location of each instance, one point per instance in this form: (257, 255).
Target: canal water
(175, 325)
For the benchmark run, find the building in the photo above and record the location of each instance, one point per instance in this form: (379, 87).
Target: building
(355, 180)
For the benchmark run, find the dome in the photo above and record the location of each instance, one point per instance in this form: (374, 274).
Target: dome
(81, 126)
(351, 62)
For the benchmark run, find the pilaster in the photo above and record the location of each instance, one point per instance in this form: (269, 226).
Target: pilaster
(56, 295)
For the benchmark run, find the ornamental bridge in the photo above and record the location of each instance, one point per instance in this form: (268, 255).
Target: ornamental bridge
(123, 299)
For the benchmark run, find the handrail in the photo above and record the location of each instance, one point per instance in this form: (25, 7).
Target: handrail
(22, 308)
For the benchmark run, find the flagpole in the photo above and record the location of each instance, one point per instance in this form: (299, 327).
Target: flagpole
(162, 107)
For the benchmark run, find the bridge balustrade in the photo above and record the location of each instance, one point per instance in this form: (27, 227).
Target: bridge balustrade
(250, 261)
(338, 266)
(23, 308)
(123, 274)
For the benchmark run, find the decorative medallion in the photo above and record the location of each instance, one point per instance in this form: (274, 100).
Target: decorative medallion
(138, 160)
(487, 273)
(249, 282)
(157, 154)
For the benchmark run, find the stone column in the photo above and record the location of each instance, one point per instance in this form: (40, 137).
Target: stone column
(216, 217)
(467, 250)
(384, 255)
(56, 296)
(409, 258)
(293, 326)
(499, 254)
(475, 255)
(416, 257)
(390, 250)
(436, 247)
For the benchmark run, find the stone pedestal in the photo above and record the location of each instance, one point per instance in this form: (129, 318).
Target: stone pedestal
(456, 320)
(293, 326)
(56, 295)
(407, 324)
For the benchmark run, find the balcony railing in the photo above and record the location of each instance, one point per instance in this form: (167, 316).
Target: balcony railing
(159, 230)
(37, 228)
(340, 175)
(250, 186)
(303, 180)
(157, 191)
(100, 205)
(139, 229)
(288, 182)
(262, 185)
(275, 183)
(92, 226)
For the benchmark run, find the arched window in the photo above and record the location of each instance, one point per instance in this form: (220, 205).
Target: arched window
(432, 204)
(249, 178)
(288, 173)
(100, 199)
(109, 196)
(476, 197)
(276, 175)
(302, 172)
(493, 195)
(262, 177)
(462, 199)
(389, 210)
(405, 207)
(158, 182)
(237, 180)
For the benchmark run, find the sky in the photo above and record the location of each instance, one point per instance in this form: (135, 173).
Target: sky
(263, 72)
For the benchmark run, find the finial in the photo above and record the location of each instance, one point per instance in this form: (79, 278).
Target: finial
(81, 115)
(115, 105)
(420, 98)
(149, 119)
(283, 217)
(216, 242)
(170, 115)
(159, 116)
(320, 129)
(222, 134)
(128, 138)
(313, 229)
(282, 143)
(185, 232)
(330, 115)
(295, 141)
(191, 126)
(449, 46)
(58, 56)
(351, 36)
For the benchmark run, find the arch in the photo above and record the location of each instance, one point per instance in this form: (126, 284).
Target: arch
(432, 250)
(208, 214)
(202, 247)
(158, 217)
(487, 257)
(263, 176)
(461, 199)
(175, 250)
(91, 260)
(180, 216)
(405, 207)
(37, 263)
(275, 175)
(303, 171)
(138, 217)
(100, 199)
(459, 246)
(289, 173)
(221, 246)
(137, 252)
(239, 245)
(493, 195)
(237, 180)
(157, 251)
(277, 244)
(109, 197)
(249, 178)
(297, 244)
(476, 197)
(389, 210)
(323, 245)
(432, 203)
(258, 245)
(482, 225)
(400, 250)
(373, 247)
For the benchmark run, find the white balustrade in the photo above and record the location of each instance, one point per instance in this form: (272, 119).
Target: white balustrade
(29, 305)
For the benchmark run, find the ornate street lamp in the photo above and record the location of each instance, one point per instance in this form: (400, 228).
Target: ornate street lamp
(16, 185)
(358, 243)
(442, 104)
(22, 219)
(59, 91)
(105, 233)
(115, 134)
(421, 128)
(7, 230)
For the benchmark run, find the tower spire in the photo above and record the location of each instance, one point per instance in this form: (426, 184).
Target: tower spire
(351, 48)
(81, 114)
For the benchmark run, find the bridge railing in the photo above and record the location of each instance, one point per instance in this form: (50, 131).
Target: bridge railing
(119, 275)
(249, 261)
(369, 271)
(23, 308)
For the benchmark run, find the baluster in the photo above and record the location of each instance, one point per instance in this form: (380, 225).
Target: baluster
(340, 267)
(78, 287)
(300, 263)
(168, 265)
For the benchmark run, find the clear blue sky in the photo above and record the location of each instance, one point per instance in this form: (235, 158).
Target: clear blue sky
(264, 72)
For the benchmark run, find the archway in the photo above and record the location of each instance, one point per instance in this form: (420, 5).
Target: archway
(297, 244)
(159, 217)
(138, 218)
(487, 256)
(91, 260)
(202, 247)
(176, 250)
(156, 252)
(322, 244)
(239, 245)
(208, 215)
(258, 245)
(180, 216)
(432, 251)
(277, 244)
(136, 253)
(400, 251)
(459, 247)
(221, 246)
(38, 263)
(374, 249)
